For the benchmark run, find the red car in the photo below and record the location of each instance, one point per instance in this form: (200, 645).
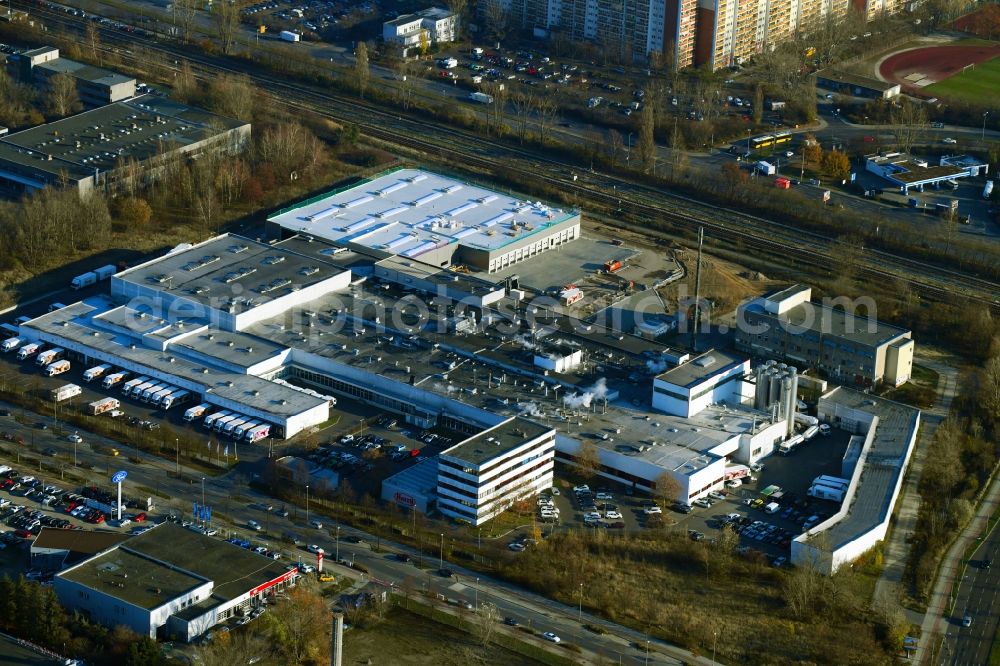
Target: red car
(98, 518)
(71, 506)
(24, 534)
(139, 517)
(7, 483)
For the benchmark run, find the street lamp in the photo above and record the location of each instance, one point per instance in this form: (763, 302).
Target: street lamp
(983, 136)
(441, 555)
(202, 491)
(477, 594)
(628, 153)
(307, 504)
(338, 543)
(715, 640)
(177, 454)
(579, 617)
(74, 451)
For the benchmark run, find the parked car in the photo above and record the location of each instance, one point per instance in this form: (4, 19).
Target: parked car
(549, 636)
(254, 525)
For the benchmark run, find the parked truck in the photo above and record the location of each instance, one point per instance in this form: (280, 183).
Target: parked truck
(289, 36)
(10, 344)
(65, 392)
(157, 397)
(57, 368)
(93, 277)
(103, 405)
(766, 168)
(50, 355)
(90, 374)
(827, 493)
(176, 398)
(132, 383)
(114, 379)
(198, 410)
(224, 421)
(28, 350)
(481, 98)
(832, 481)
(258, 433)
(612, 265)
(215, 416)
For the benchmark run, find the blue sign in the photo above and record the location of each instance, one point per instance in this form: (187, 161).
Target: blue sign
(119, 477)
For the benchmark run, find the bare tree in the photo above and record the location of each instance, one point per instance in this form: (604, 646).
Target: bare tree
(233, 95)
(497, 16)
(93, 37)
(499, 92)
(547, 110)
(615, 145)
(458, 8)
(404, 83)
(588, 460)
(63, 98)
(227, 22)
(185, 12)
(522, 105)
(487, 619)
(989, 387)
(185, 88)
(646, 141)
(289, 147)
(361, 70)
(909, 121)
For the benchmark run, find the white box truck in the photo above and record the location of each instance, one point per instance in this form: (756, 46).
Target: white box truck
(258, 433)
(242, 429)
(57, 368)
(90, 374)
(50, 356)
(157, 397)
(481, 98)
(132, 383)
(194, 412)
(224, 421)
(289, 36)
(103, 405)
(65, 392)
(114, 379)
(28, 349)
(10, 344)
(147, 393)
(827, 493)
(176, 398)
(766, 168)
(212, 418)
(232, 425)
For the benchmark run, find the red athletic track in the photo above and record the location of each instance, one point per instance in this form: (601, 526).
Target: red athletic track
(934, 62)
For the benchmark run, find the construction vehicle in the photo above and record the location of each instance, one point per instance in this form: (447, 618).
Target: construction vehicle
(612, 265)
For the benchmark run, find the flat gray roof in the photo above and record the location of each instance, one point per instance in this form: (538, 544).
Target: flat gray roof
(234, 270)
(819, 318)
(855, 80)
(701, 368)
(140, 128)
(410, 212)
(76, 322)
(885, 461)
(79, 70)
(496, 441)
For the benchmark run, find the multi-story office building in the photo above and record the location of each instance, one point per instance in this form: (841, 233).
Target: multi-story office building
(437, 24)
(484, 475)
(852, 349)
(95, 86)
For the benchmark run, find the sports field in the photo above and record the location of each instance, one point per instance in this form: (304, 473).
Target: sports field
(980, 83)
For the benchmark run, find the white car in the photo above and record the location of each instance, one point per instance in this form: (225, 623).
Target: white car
(316, 523)
(549, 636)
(605, 497)
(949, 140)
(555, 491)
(789, 153)
(591, 517)
(613, 515)
(124, 522)
(254, 525)
(581, 489)
(733, 483)
(313, 548)
(307, 568)
(75, 438)
(652, 510)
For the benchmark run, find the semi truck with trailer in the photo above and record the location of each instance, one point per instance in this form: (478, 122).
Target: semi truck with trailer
(176, 398)
(215, 416)
(198, 410)
(28, 350)
(93, 277)
(147, 394)
(114, 379)
(57, 368)
(242, 429)
(132, 383)
(10, 344)
(50, 356)
(90, 374)
(224, 421)
(103, 405)
(258, 433)
(289, 36)
(786, 447)
(65, 392)
(481, 98)
(230, 427)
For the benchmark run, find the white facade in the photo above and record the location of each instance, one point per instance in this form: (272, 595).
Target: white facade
(719, 385)
(438, 23)
(475, 489)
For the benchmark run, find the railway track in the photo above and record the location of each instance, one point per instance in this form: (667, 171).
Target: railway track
(640, 207)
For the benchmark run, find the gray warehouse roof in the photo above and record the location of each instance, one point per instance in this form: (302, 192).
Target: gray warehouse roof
(140, 128)
(820, 318)
(86, 72)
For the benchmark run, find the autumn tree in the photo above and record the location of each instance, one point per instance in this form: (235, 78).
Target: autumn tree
(588, 460)
(133, 211)
(758, 104)
(233, 95)
(227, 22)
(811, 148)
(63, 98)
(185, 11)
(299, 626)
(646, 142)
(361, 70)
(185, 88)
(836, 164)
(666, 488)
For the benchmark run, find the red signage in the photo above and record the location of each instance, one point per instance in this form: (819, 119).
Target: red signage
(288, 575)
(402, 498)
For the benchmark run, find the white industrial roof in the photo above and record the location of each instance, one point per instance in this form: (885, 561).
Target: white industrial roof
(409, 212)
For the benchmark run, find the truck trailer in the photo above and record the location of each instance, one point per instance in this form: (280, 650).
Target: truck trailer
(826, 493)
(28, 350)
(258, 433)
(212, 418)
(57, 368)
(103, 405)
(481, 98)
(65, 392)
(10, 344)
(224, 421)
(766, 168)
(50, 356)
(289, 36)
(93, 277)
(90, 374)
(176, 398)
(194, 412)
(114, 379)
(132, 383)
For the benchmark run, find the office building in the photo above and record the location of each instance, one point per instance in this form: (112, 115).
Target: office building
(714, 377)
(171, 583)
(96, 86)
(438, 26)
(106, 148)
(853, 349)
(484, 475)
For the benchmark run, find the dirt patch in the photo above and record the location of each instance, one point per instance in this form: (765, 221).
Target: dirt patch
(915, 69)
(412, 640)
(723, 282)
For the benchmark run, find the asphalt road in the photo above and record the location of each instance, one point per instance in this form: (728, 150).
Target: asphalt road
(977, 597)
(230, 496)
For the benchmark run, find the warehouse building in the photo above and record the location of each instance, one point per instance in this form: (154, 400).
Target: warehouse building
(856, 350)
(908, 172)
(170, 583)
(96, 86)
(109, 147)
(889, 432)
(433, 219)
